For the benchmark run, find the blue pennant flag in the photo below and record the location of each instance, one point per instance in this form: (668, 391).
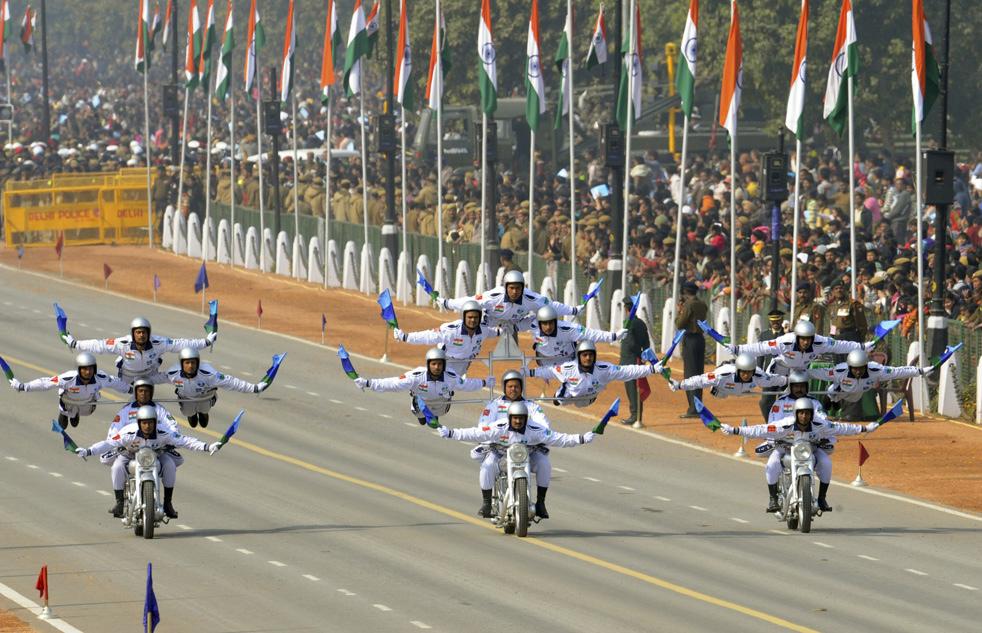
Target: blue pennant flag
(635, 302)
(212, 324)
(67, 441)
(611, 412)
(346, 362)
(716, 336)
(20, 251)
(709, 420)
(648, 356)
(388, 310)
(431, 420)
(675, 343)
(202, 281)
(895, 412)
(883, 328)
(7, 371)
(425, 285)
(62, 319)
(230, 431)
(151, 612)
(275, 367)
(593, 293)
(949, 351)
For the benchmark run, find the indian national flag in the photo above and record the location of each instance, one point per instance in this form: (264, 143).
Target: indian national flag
(289, 48)
(402, 84)
(223, 78)
(487, 71)
(204, 65)
(633, 63)
(155, 25)
(255, 39)
(358, 46)
(796, 98)
(332, 39)
(434, 78)
(729, 102)
(27, 24)
(597, 54)
(535, 87)
(6, 29)
(371, 28)
(845, 63)
(562, 65)
(142, 56)
(685, 76)
(168, 25)
(925, 77)
(193, 46)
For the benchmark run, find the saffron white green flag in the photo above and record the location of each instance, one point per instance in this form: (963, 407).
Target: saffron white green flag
(289, 49)
(597, 54)
(358, 47)
(332, 41)
(402, 84)
(141, 59)
(796, 98)
(193, 47)
(487, 70)
(255, 39)
(562, 65)
(925, 77)
(633, 63)
(207, 42)
(535, 87)
(685, 76)
(439, 64)
(732, 89)
(223, 78)
(845, 64)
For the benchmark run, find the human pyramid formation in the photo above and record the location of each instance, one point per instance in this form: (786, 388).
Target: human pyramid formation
(566, 352)
(143, 422)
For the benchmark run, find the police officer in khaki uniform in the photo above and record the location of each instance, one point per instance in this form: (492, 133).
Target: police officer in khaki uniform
(807, 309)
(775, 328)
(691, 310)
(848, 317)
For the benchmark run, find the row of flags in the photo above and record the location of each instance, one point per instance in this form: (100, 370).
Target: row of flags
(28, 24)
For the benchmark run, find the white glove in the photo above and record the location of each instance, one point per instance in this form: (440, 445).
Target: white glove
(869, 346)
(261, 387)
(489, 382)
(69, 340)
(579, 308)
(924, 371)
(620, 334)
(82, 452)
(16, 385)
(443, 431)
(673, 384)
(211, 338)
(656, 368)
(872, 426)
(214, 448)
(726, 429)
(361, 383)
(398, 334)
(588, 437)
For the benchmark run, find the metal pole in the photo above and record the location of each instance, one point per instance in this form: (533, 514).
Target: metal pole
(796, 223)
(327, 180)
(297, 242)
(204, 225)
(572, 156)
(733, 239)
(614, 262)
(390, 236)
(938, 322)
(632, 53)
(231, 106)
(405, 230)
(439, 275)
(175, 121)
(531, 229)
(677, 266)
(364, 151)
(484, 198)
(852, 199)
(44, 83)
(921, 352)
(146, 144)
(184, 136)
(259, 166)
(277, 201)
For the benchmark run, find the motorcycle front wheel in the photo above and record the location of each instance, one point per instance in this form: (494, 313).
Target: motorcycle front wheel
(522, 516)
(149, 499)
(805, 503)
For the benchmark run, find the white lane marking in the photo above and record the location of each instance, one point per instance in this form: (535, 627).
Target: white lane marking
(34, 608)
(79, 484)
(245, 373)
(226, 367)
(410, 424)
(311, 578)
(276, 563)
(593, 479)
(290, 386)
(33, 467)
(739, 520)
(389, 417)
(243, 551)
(825, 545)
(346, 592)
(916, 572)
(57, 475)
(699, 508)
(778, 532)
(7, 303)
(83, 324)
(361, 409)
(313, 393)
(865, 557)
(559, 470)
(661, 498)
(628, 488)
(36, 311)
(382, 607)
(184, 527)
(104, 493)
(969, 587)
(420, 625)
(332, 400)
(11, 458)
(214, 539)
(99, 329)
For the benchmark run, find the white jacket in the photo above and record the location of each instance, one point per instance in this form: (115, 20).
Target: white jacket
(72, 390)
(723, 381)
(127, 415)
(454, 338)
(785, 348)
(205, 382)
(435, 393)
(585, 385)
(560, 346)
(130, 439)
(784, 407)
(497, 307)
(845, 388)
(497, 410)
(501, 434)
(783, 430)
(134, 363)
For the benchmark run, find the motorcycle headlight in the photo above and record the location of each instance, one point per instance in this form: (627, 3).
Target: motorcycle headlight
(145, 457)
(518, 453)
(801, 452)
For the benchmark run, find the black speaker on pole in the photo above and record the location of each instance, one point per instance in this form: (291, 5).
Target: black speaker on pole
(172, 106)
(613, 144)
(387, 133)
(272, 124)
(939, 177)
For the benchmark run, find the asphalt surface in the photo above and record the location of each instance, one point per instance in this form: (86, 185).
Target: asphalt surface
(335, 511)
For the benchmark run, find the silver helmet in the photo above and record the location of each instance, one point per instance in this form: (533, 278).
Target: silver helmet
(471, 306)
(746, 362)
(142, 382)
(513, 277)
(435, 353)
(804, 329)
(796, 377)
(511, 374)
(139, 322)
(586, 346)
(189, 354)
(85, 359)
(146, 412)
(857, 358)
(546, 313)
(518, 408)
(804, 404)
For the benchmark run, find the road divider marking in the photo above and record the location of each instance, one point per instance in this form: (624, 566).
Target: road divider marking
(244, 551)
(699, 508)
(313, 394)
(389, 417)
(33, 466)
(36, 311)
(382, 607)
(104, 493)
(865, 557)
(291, 386)
(79, 484)
(184, 527)
(311, 578)
(916, 572)
(969, 587)
(782, 532)
(56, 475)
(346, 592)
(420, 625)
(333, 401)
(214, 539)
(825, 545)
(276, 563)
(559, 470)
(11, 458)
(361, 409)
(410, 425)
(661, 498)
(83, 324)
(739, 520)
(628, 488)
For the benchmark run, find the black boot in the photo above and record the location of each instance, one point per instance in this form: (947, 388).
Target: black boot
(540, 503)
(117, 510)
(485, 510)
(203, 419)
(63, 421)
(193, 420)
(74, 421)
(772, 504)
(168, 506)
(823, 505)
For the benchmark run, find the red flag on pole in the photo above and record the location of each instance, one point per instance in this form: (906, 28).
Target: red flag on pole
(42, 583)
(106, 271)
(60, 244)
(259, 309)
(863, 454)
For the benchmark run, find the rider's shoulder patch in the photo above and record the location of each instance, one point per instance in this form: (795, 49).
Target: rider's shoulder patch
(771, 428)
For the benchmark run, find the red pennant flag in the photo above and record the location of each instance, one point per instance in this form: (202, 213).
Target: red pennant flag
(42, 583)
(106, 271)
(863, 454)
(259, 309)
(60, 244)
(644, 389)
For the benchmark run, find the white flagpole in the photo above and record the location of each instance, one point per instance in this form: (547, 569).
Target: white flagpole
(733, 237)
(797, 223)
(405, 231)
(184, 135)
(204, 225)
(231, 105)
(296, 186)
(439, 153)
(364, 152)
(677, 267)
(572, 158)
(146, 144)
(484, 195)
(852, 200)
(632, 52)
(531, 227)
(259, 163)
(922, 356)
(10, 123)
(327, 181)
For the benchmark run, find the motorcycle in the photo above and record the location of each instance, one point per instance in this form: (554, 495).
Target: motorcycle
(143, 504)
(513, 510)
(797, 486)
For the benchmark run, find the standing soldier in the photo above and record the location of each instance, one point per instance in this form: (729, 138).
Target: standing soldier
(775, 320)
(848, 316)
(634, 342)
(807, 309)
(691, 310)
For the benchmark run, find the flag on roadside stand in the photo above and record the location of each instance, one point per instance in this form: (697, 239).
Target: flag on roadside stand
(863, 454)
(156, 282)
(193, 47)
(633, 63)
(729, 103)
(685, 76)
(201, 282)
(845, 64)
(60, 244)
(597, 53)
(357, 48)
(925, 76)
(141, 59)
(6, 30)
(106, 271)
(332, 42)
(255, 39)
(563, 66)
(151, 612)
(223, 78)
(793, 120)
(20, 251)
(535, 87)
(289, 49)
(323, 323)
(487, 70)
(42, 583)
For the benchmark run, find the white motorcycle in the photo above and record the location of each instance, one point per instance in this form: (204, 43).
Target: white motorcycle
(143, 505)
(797, 486)
(513, 510)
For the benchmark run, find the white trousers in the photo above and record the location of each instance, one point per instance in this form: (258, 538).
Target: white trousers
(72, 409)
(540, 464)
(823, 466)
(193, 407)
(168, 468)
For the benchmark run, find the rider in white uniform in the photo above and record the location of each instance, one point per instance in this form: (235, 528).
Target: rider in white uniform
(848, 381)
(460, 339)
(196, 385)
(515, 430)
(511, 302)
(797, 349)
(554, 342)
(78, 391)
(585, 377)
(732, 379)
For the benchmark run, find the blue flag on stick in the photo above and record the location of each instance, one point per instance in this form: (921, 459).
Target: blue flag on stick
(883, 328)
(949, 351)
(212, 324)
(346, 362)
(156, 282)
(323, 323)
(67, 441)
(151, 613)
(895, 412)
(635, 302)
(425, 285)
(230, 431)
(593, 293)
(275, 367)
(716, 336)
(710, 421)
(431, 420)
(388, 310)
(7, 371)
(611, 412)
(202, 281)
(62, 319)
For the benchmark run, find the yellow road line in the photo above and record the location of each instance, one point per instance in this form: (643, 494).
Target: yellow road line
(538, 542)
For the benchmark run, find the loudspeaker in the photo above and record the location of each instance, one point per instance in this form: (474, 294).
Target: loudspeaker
(6, 112)
(939, 177)
(492, 137)
(386, 133)
(613, 144)
(272, 124)
(172, 107)
(775, 176)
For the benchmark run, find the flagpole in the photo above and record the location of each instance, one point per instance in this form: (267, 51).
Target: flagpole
(531, 228)
(797, 223)
(405, 230)
(484, 196)
(259, 162)
(733, 236)
(296, 186)
(632, 51)
(364, 152)
(677, 268)
(852, 199)
(327, 184)
(231, 105)
(439, 276)
(572, 158)
(146, 144)
(921, 356)
(204, 225)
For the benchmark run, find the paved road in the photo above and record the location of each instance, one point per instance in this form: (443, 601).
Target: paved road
(337, 512)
